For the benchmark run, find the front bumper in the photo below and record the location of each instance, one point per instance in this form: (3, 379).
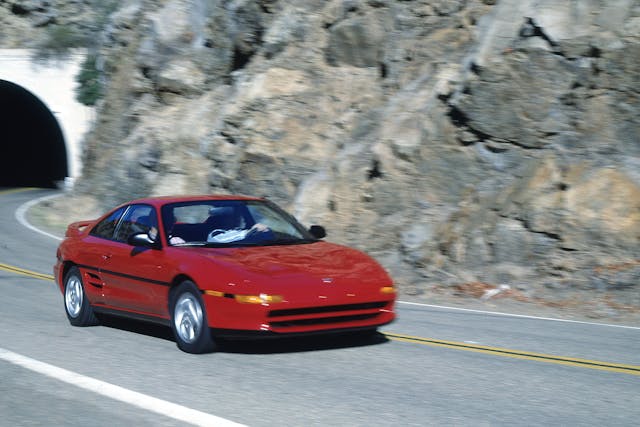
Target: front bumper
(225, 314)
(58, 270)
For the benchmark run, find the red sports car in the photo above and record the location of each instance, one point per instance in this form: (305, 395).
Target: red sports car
(218, 266)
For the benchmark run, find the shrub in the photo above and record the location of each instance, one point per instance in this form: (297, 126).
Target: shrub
(89, 89)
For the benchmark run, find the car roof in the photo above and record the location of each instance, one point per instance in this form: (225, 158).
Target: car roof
(163, 200)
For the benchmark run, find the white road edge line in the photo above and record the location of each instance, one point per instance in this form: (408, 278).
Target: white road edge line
(159, 406)
(523, 316)
(21, 217)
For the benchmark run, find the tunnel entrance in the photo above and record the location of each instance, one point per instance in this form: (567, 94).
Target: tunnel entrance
(33, 147)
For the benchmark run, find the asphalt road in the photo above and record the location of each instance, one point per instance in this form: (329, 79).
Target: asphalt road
(433, 366)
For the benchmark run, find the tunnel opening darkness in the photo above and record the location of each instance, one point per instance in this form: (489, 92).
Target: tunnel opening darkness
(33, 147)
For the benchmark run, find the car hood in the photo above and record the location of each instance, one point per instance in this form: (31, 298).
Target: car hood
(319, 263)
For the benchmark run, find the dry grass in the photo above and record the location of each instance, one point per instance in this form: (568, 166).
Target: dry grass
(54, 215)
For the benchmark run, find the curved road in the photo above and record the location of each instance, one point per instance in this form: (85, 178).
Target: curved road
(433, 366)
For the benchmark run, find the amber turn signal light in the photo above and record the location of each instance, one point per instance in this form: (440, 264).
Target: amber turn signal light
(258, 299)
(214, 293)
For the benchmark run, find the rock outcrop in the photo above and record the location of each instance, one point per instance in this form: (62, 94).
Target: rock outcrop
(456, 140)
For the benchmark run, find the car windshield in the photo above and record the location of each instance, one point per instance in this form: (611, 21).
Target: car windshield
(222, 223)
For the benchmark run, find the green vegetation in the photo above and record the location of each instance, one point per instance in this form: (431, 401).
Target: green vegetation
(89, 90)
(60, 41)
(90, 80)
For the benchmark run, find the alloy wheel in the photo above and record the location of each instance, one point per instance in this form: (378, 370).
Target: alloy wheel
(73, 296)
(188, 318)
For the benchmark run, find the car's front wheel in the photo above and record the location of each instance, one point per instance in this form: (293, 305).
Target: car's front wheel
(189, 319)
(76, 305)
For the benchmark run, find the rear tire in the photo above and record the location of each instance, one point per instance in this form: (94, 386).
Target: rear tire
(189, 319)
(76, 304)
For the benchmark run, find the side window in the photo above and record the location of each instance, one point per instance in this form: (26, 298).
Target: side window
(107, 226)
(137, 219)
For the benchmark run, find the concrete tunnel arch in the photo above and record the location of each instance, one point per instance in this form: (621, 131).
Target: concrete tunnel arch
(33, 144)
(42, 124)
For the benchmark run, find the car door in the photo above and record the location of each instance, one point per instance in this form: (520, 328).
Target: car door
(135, 278)
(92, 256)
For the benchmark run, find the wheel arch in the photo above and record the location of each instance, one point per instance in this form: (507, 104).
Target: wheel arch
(203, 342)
(83, 314)
(175, 283)
(66, 266)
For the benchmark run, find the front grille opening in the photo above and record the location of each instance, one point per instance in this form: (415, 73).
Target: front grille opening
(327, 309)
(322, 321)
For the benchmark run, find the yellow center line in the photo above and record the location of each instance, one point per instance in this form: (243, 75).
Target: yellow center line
(518, 354)
(17, 190)
(23, 272)
(12, 268)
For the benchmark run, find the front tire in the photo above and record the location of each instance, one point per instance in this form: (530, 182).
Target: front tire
(189, 319)
(76, 304)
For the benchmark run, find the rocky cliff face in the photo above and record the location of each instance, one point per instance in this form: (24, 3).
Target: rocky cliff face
(51, 26)
(459, 141)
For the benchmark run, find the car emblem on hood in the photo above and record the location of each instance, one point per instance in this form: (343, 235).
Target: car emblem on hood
(327, 280)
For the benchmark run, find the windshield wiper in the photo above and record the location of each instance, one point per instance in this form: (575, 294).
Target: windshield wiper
(240, 243)
(189, 244)
(290, 242)
(231, 244)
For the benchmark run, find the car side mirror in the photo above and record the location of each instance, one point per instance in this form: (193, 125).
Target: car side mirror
(141, 239)
(318, 231)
